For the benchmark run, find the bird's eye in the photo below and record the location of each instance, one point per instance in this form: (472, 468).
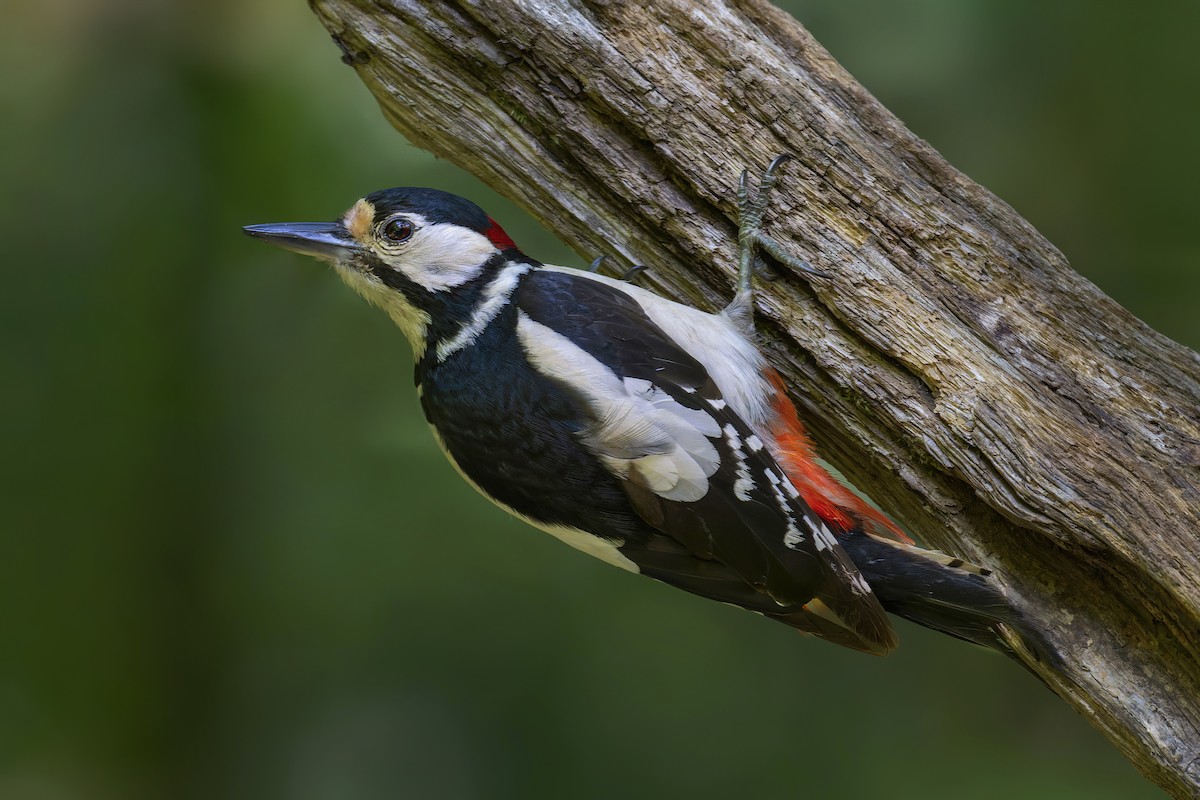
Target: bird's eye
(398, 229)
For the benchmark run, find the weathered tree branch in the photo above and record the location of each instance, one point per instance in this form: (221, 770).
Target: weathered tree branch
(954, 366)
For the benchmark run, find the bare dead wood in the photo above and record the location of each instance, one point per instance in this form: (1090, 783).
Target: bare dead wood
(954, 366)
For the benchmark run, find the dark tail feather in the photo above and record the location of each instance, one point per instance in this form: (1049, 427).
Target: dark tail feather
(943, 593)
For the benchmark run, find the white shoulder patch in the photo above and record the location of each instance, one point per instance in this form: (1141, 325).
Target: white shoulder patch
(640, 432)
(731, 360)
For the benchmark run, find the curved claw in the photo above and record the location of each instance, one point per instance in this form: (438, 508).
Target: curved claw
(776, 251)
(777, 162)
(743, 191)
(632, 273)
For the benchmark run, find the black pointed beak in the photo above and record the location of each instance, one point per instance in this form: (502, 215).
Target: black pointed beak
(329, 241)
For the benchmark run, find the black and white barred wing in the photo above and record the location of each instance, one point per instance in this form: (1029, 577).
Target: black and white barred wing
(726, 523)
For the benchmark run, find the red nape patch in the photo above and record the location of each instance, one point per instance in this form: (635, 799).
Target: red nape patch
(828, 499)
(498, 237)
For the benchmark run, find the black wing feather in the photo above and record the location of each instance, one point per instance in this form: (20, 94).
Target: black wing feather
(731, 546)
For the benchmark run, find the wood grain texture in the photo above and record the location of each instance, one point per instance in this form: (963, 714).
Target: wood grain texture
(954, 366)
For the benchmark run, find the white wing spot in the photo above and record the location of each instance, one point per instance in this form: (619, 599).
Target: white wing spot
(824, 538)
(718, 403)
(744, 483)
(858, 583)
(776, 483)
(793, 536)
(754, 443)
(731, 435)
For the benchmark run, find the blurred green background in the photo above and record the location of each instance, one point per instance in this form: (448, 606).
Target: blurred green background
(234, 565)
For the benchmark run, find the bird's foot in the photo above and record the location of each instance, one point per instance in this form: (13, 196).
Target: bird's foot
(751, 209)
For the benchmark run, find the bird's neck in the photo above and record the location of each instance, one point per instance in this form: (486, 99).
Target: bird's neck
(457, 319)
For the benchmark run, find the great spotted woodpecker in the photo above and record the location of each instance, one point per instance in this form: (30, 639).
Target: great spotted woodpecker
(649, 434)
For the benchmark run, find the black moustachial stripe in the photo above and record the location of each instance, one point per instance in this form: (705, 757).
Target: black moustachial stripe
(446, 309)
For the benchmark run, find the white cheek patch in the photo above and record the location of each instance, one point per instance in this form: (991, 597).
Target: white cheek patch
(440, 256)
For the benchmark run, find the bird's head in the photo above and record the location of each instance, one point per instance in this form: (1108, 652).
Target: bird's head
(422, 255)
